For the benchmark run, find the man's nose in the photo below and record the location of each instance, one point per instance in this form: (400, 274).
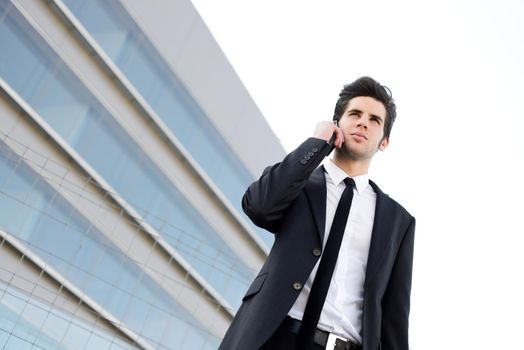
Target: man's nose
(363, 122)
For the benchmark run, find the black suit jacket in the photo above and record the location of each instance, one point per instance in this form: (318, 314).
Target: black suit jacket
(289, 200)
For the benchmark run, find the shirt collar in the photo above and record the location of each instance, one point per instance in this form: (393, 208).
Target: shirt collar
(338, 175)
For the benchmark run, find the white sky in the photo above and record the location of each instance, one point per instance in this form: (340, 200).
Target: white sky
(456, 155)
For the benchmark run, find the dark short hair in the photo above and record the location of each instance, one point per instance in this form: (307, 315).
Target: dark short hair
(366, 86)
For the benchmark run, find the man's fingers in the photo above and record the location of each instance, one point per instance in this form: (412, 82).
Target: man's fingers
(339, 137)
(325, 130)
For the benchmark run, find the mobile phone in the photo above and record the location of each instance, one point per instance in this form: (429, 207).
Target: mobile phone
(333, 138)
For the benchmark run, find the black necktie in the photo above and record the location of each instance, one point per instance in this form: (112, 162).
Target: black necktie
(320, 286)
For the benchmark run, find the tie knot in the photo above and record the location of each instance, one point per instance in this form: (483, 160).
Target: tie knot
(349, 182)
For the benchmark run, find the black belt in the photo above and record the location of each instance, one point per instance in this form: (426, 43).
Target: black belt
(320, 337)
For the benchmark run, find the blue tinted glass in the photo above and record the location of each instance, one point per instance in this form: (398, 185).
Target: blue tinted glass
(68, 242)
(71, 110)
(131, 51)
(27, 321)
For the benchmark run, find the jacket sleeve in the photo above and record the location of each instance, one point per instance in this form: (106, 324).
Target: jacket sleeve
(396, 300)
(266, 200)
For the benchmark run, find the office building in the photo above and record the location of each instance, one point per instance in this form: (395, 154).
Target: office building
(126, 143)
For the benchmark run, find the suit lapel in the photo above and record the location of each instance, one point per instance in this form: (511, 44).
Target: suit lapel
(316, 195)
(380, 234)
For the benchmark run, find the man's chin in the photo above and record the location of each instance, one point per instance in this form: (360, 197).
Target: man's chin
(353, 154)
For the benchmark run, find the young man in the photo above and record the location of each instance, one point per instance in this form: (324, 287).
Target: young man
(339, 273)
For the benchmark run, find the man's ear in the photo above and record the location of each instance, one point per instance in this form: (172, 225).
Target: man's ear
(383, 144)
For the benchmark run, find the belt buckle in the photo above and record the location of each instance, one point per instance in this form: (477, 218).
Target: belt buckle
(332, 341)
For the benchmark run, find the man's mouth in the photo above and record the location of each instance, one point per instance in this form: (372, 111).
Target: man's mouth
(359, 135)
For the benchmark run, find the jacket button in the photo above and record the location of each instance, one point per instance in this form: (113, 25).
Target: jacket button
(317, 252)
(297, 286)
(311, 154)
(315, 149)
(303, 162)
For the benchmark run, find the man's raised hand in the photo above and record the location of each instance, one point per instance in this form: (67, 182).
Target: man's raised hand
(326, 129)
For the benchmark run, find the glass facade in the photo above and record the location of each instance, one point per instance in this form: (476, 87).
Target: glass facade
(51, 225)
(28, 323)
(110, 25)
(35, 213)
(60, 98)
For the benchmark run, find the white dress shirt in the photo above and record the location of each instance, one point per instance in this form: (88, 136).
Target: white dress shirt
(342, 311)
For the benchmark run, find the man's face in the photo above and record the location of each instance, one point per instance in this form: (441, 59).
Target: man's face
(363, 126)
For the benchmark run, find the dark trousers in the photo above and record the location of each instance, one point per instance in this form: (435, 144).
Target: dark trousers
(284, 339)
